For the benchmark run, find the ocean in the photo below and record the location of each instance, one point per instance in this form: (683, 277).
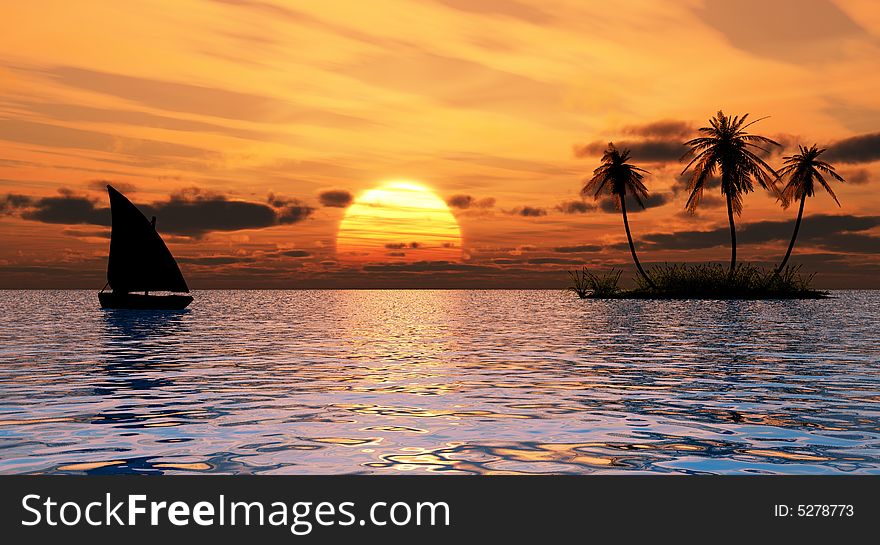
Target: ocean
(439, 382)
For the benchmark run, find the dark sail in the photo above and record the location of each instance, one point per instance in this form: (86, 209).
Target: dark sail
(139, 259)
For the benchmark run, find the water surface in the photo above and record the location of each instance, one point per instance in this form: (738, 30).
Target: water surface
(439, 382)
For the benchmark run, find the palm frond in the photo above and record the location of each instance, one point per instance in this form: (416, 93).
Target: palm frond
(702, 172)
(726, 145)
(801, 169)
(615, 176)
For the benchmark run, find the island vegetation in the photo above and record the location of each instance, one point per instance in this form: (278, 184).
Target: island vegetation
(727, 151)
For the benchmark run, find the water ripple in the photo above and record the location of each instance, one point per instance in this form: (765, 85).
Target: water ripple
(481, 382)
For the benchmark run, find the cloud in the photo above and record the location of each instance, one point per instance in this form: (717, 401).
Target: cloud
(688, 240)
(11, 202)
(279, 12)
(42, 134)
(66, 208)
(335, 168)
(277, 201)
(335, 198)
(528, 211)
(86, 233)
(575, 207)
(88, 114)
(710, 197)
(453, 81)
(582, 248)
(292, 213)
(863, 148)
(552, 261)
(681, 181)
(505, 8)
(662, 141)
(193, 212)
(665, 128)
(215, 260)
(101, 185)
(844, 233)
(425, 266)
(853, 116)
(402, 245)
(766, 29)
(858, 176)
(654, 150)
(288, 210)
(858, 243)
(463, 202)
(460, 201)
(198, 99)
(609, 204)
(189, 212)
(295, 253)
(509, 163)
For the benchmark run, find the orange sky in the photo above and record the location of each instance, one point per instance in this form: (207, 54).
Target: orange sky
(247, 125)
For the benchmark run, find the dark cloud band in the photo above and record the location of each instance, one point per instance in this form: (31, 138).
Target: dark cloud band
(842, 233)
(857, 149)
(190, 213)
(654, 150)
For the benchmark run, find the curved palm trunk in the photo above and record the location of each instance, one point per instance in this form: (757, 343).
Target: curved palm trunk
(732, 236)
(797, 225)
(632, 247)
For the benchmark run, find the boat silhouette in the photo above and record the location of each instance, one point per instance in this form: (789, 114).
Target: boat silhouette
(139, 262)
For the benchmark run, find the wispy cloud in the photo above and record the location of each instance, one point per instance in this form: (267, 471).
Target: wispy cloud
(522, 11)
(198, 99)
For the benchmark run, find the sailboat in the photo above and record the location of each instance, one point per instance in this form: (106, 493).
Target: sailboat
(139, 262)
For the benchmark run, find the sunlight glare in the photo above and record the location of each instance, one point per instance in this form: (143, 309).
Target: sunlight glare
(399, 221)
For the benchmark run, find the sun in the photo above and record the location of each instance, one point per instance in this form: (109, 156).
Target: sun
(399, 221)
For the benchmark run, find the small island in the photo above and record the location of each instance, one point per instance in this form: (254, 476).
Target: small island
(698, 281)
(724, 152)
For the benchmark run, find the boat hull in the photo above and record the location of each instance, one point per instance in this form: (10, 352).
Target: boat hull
(144, 302)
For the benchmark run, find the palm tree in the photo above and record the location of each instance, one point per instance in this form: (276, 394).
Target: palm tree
(727, 147)
(802, 170)
(615, 177)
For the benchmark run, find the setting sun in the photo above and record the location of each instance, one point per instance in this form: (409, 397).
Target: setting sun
(399, 221)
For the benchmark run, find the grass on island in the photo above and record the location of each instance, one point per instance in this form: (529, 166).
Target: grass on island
(698, 281)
